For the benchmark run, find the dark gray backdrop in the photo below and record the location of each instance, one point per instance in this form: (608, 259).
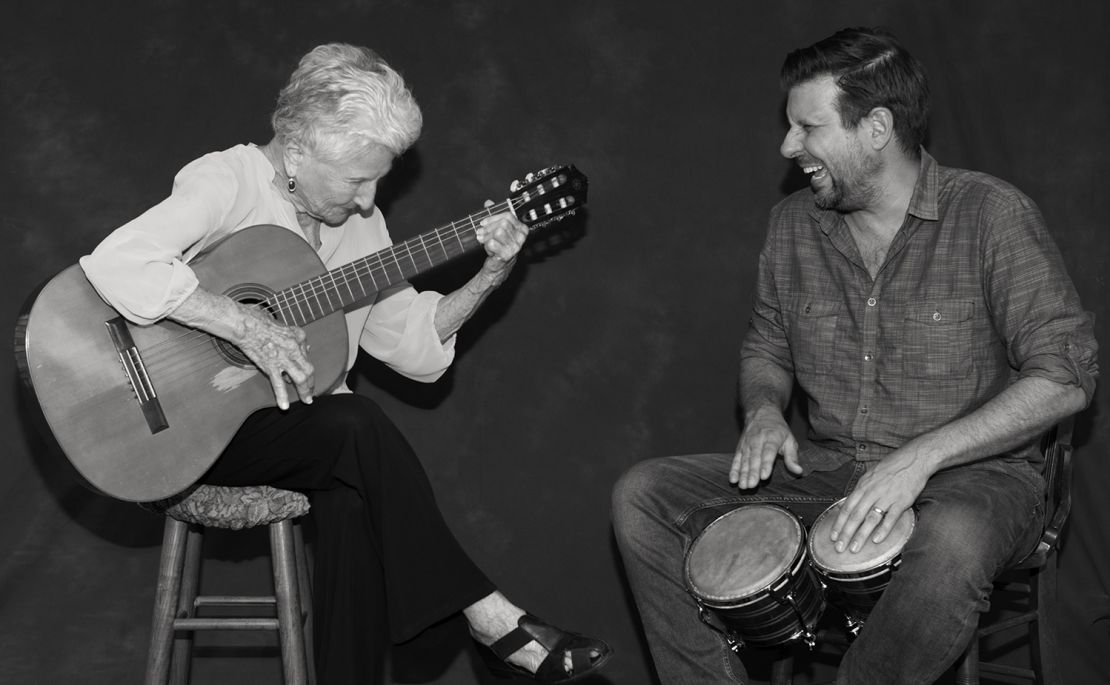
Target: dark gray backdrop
(615, 344)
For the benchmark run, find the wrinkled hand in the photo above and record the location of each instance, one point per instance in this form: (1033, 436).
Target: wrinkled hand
(278, 351)
(765, 437)
(888, 489)
(502, 235)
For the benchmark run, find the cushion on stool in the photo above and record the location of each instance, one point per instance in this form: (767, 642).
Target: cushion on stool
(218, 506)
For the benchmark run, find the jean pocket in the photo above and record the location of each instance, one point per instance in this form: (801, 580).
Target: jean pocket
(937, 339)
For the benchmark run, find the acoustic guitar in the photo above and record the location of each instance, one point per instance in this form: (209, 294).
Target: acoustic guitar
(142, 412)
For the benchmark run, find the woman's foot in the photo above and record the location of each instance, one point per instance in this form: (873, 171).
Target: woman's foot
(523, 644)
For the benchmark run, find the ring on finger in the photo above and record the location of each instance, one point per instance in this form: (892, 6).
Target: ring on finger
(880, 512)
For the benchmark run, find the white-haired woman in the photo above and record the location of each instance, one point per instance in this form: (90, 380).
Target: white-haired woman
(387, 566)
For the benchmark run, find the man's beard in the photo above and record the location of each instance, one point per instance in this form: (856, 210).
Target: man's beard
(857, 190)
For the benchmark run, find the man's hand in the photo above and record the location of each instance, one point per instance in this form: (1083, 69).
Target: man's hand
(765, 436)
(889, 488)
(279, 351)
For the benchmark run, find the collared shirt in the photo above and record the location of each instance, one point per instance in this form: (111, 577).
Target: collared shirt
(972, 295)
(142, 268)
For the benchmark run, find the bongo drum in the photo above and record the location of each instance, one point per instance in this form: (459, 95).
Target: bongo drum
(855, 581)
(749, 568)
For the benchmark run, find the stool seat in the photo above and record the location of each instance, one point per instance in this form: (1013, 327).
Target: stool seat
(217, 506)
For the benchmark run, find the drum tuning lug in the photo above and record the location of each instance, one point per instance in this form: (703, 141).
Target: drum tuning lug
(810, 639)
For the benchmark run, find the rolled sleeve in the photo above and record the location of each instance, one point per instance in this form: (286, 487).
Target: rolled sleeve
(1035, 306)
(140, 269)
(138, 274)
(400, 331)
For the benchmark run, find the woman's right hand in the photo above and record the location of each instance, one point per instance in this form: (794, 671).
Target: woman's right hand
(280, 352)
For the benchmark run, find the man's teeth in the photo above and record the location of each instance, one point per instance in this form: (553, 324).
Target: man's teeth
(812, 169)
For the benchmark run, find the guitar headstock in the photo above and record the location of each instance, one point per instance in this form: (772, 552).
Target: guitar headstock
(548, 195)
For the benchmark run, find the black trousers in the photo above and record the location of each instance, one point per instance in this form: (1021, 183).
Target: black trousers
(386, 564)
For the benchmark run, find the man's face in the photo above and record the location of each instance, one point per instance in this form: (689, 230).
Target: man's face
(842, 171)
(332, 191)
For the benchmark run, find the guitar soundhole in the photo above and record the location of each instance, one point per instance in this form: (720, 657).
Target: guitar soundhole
(252, 295)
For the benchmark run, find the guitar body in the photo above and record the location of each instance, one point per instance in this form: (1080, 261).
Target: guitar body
(204, 388)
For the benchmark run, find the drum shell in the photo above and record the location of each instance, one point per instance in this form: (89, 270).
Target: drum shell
(783, 610)
(856, 592)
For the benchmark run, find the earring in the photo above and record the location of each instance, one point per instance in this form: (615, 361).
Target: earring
(292, 185)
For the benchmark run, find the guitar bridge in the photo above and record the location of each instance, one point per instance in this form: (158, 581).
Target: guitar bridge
(136, 374)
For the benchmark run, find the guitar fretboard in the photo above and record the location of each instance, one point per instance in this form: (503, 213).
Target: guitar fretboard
(362, 279)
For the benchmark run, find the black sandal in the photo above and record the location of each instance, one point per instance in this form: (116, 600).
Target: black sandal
(587, 655)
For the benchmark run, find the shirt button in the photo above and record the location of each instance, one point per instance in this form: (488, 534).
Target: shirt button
(863, 410)
(861, 447)
(867, 357)
(871, 302)
(936, 316)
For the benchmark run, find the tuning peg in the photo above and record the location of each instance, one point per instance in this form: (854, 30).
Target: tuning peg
(514, 186)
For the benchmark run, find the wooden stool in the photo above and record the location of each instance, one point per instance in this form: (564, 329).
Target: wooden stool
(177, 599)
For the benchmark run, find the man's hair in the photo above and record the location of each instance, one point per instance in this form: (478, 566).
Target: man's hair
(872, 69)
(342, 97)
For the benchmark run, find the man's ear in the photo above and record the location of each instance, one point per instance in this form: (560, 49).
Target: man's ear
(879, 127)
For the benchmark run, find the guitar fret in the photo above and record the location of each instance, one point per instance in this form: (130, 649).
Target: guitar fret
(331, 305)
(303, 297)
(396, 265)
(347, 282)
(415, 267)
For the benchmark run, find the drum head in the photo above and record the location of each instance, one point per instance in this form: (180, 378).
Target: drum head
(824, 555)
(743, 552)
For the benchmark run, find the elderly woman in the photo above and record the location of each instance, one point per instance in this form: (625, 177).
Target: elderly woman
(387, 566)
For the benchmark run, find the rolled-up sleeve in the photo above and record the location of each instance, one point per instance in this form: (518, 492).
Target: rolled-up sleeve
(1034, 304)
(401, 333)
(140, 269)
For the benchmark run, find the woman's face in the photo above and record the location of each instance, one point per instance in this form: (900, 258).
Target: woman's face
(333, 190)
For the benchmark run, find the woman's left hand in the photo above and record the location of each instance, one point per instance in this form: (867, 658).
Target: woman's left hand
(502, 236)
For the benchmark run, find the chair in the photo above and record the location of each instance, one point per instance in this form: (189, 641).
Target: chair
(1030, 586)
(1037, 581)
(177, 601)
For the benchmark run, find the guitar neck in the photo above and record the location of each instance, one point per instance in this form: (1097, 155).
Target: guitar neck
(362, 279)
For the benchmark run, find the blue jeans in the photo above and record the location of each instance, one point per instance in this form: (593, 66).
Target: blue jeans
(973, 522)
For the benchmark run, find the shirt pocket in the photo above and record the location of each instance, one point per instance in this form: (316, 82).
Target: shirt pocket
(937, 341)
(813, 342)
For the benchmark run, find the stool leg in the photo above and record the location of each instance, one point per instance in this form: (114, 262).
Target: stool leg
(304, 583)
(1043, 640)
(967, 671)
(165, 601)
(290, 630)
(190, 586)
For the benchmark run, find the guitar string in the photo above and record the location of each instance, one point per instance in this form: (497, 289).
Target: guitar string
(181, 363)
(288, 306)
(372, 266)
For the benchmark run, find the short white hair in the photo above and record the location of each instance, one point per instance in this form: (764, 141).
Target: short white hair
(343, 97)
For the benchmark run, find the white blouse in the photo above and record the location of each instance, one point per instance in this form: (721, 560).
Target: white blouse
(142, 268)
